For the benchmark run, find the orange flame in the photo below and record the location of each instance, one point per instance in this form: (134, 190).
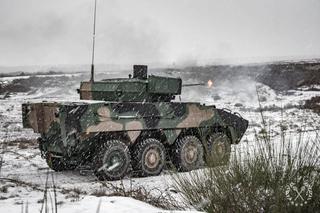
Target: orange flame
(210, 83)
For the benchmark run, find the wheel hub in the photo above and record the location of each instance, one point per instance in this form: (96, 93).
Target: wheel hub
(152, 158)
(115, 159)
(113, 162)
(220, 149)
(191, 153)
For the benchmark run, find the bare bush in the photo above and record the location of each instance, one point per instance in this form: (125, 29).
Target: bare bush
(155, 197)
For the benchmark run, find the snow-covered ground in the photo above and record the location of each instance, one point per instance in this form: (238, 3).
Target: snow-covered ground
(22, 161)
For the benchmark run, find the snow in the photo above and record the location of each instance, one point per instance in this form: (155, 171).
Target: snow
(7, 80)
(28, 167)
(89, 204)
(279, 110)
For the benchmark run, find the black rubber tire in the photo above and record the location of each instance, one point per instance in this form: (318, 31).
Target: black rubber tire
(58, 164)
(112, 150)
(218, 150)
(140, 152)
(180, 157)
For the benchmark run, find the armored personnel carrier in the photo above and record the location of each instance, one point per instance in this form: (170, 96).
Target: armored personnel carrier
(132, 124)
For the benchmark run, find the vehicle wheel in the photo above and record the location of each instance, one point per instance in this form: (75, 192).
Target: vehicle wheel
(219, 149)
(148, 157)
(112, 161)
(188, 153)
(58, 164)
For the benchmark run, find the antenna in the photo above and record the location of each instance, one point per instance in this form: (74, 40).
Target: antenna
(93, 40)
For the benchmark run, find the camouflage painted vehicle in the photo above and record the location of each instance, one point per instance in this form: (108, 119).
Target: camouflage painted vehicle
(132, 123)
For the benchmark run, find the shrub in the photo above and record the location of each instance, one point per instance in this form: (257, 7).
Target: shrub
(155, 197)
(272, 176)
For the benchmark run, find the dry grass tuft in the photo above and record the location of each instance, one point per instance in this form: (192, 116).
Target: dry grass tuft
(155, 197)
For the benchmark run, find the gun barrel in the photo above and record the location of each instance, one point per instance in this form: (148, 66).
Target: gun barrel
(191, 85)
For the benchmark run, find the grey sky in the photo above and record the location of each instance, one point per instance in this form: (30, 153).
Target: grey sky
(34, 32)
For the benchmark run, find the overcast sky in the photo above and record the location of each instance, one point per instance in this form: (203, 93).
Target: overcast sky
(44, 32)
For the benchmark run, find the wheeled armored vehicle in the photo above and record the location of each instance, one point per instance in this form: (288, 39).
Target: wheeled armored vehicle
(132, 124)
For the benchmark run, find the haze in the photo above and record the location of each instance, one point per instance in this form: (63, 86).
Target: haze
(44, 32)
